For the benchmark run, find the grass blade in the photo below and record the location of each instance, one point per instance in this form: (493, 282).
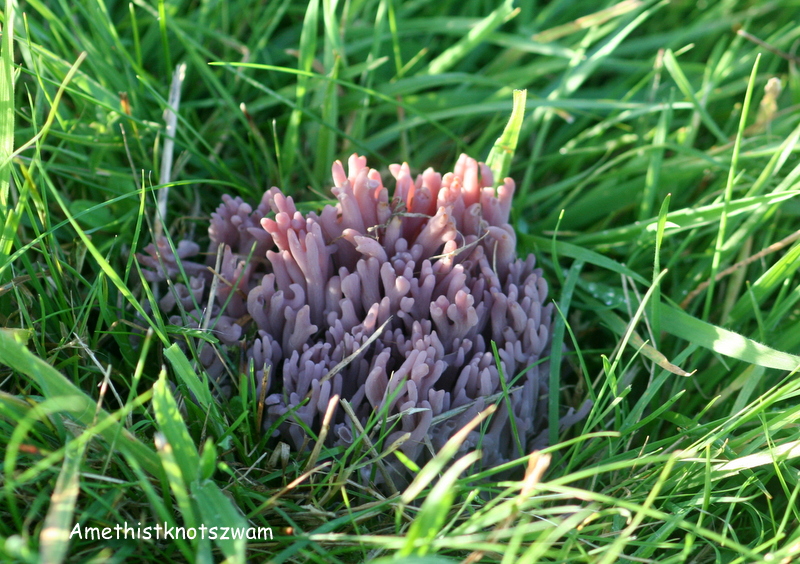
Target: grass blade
(559, 326)
(723, 341)
(171, 424)
(433, 513)
(723, 220)
(215, 507)
(447, 452)
(476, 35)
(6, 106)
(54, 538)
(502, 153)
(308, 47)
(671, 64)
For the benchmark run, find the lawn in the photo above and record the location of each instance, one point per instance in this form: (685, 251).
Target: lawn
(656, 169)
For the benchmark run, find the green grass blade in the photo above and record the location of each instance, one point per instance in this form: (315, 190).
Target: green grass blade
(684, 220)
(475, 36)
(671, 64)
(447, 452)
(197, 386)
(559, 327)
(216, 508)
(54, 538)
(173, 469)
(588, 256)
(776, 276)
(176, 434)
(13, 408)
(732, 172)
(6, 106)
(502, 153)
(161, 506)
(308, 47)
(433, 513)
(636, 342)
(723, 341)
(653, 177)
(635, 319)
(655, 309)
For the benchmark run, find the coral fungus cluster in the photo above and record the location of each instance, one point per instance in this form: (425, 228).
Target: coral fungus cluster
(414, 287)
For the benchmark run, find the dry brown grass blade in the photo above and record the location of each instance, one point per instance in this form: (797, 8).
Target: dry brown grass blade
(741, 264)
(323, 432)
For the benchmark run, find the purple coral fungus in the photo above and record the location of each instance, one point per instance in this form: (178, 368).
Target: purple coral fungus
(433, 269)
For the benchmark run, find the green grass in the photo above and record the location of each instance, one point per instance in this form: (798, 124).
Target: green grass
(657, 183)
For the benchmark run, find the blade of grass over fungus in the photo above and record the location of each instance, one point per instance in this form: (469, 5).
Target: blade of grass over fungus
(502, 153)
(434, 511)
(445, 454)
